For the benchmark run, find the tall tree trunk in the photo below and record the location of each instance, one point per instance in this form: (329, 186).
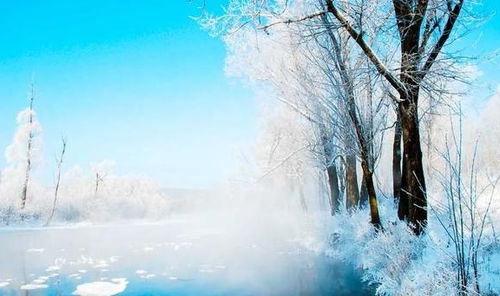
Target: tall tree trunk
(396, 158)
(372, 197)
(351, 179)
(363, 193)
(413, 201)
(58, 182)
(331, 170)
(24, 192)
(333, 183)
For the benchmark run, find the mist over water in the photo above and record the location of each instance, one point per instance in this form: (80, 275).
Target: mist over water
(188, 254)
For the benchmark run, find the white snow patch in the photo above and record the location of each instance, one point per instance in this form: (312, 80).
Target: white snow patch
(101, 288)
(35, 250)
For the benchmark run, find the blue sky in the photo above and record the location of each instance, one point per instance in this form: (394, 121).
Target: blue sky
(136, 82)
(139, 83)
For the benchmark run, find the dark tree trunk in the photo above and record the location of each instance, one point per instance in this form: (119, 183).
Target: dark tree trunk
(413, 201)
(396, 158)
(372, 197)
(333, 183)
(331, 170)
(351, 179)
(363, 194)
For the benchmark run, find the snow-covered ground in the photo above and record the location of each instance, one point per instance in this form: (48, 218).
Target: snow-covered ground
(186, 255)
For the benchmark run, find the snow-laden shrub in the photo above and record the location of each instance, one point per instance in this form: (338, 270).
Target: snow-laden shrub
(399, 263)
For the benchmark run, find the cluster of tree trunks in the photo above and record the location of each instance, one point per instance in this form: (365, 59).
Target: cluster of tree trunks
(414, 65)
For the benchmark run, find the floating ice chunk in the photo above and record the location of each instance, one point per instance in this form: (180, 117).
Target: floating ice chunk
(33, 286)
(113, 259)
(101, 264)
(220, 266)
(35, 250)
(172, 278)
(147, 249)
(4, 284)
(74, 275)
(52, 268)
(114, 287)
(148, 276)
(140, 271)
(82, 271)
(53, 275)
(39, 281)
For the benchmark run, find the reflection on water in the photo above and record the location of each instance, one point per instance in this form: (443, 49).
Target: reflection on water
(165, 259)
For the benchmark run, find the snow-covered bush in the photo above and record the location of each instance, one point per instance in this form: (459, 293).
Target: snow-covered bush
(399, 263)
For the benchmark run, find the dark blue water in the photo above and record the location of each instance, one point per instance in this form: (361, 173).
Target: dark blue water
(169, 259)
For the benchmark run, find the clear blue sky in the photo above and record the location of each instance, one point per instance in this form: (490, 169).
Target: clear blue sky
(136, 82)
(139, 83)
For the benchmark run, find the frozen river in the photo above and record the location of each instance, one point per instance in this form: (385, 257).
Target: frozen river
(165, 259)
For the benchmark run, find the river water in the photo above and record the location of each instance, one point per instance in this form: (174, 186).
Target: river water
(166, 258)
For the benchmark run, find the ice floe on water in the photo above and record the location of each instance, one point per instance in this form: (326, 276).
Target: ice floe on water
(41, 280)
(140, 271)
(102, 288)
(33, 286)
(53, 268)
(101, 264)
(4, 284)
